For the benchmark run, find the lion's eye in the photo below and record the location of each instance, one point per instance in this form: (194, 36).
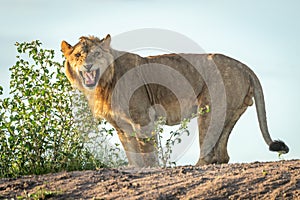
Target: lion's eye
(97, 53)
(78, 55)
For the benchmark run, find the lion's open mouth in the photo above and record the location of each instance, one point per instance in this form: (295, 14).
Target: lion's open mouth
(90, 78)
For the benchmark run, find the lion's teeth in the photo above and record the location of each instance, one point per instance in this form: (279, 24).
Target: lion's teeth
(90, 75)
(84, 74)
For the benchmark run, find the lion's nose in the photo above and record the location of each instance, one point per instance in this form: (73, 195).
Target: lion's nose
(88, 67)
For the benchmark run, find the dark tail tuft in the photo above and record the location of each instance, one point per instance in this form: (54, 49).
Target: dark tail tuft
(279, 146)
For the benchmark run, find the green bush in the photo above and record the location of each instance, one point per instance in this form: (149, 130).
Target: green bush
(43, 127)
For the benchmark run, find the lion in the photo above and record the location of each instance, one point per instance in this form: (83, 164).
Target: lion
(131, 92)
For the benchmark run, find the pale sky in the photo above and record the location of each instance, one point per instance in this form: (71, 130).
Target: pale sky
(262, 34)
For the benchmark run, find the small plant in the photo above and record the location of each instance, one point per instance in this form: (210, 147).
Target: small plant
(40, 194)
(264, 172)
(280, 156)
(165, 150)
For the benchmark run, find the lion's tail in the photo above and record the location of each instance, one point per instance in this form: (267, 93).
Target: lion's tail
(275, 145)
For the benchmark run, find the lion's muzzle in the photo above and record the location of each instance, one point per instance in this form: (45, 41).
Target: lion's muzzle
(90, 77)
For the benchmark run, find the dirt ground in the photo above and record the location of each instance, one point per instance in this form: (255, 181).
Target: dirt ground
(270, 180)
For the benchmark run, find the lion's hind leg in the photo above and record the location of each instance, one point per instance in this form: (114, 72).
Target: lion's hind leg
(233, 115)
(215, 150)
(217, 153)
(221, 153)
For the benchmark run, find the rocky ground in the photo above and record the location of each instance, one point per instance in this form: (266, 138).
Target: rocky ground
(270, 180)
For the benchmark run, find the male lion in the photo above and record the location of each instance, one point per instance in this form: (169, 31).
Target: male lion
(131, 92)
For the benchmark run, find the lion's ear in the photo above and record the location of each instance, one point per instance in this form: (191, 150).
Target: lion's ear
(106, 42)
(66, 48)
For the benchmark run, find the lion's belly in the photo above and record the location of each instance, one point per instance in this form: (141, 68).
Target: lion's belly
(160, 102)
(181, 114)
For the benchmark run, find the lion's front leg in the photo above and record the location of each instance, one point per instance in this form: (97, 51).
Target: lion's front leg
(141, 152)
